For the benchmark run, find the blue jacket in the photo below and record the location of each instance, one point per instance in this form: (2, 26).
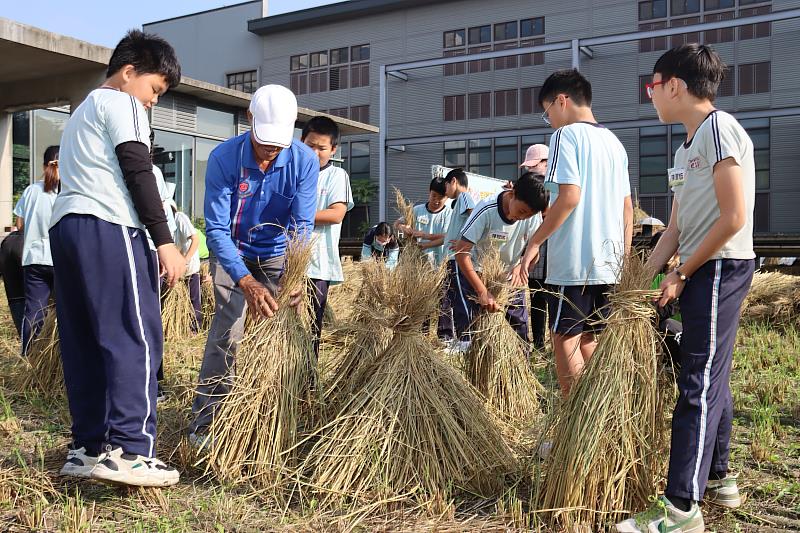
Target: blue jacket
(248, 211)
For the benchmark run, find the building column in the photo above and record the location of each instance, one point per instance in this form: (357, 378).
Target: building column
(6, 169)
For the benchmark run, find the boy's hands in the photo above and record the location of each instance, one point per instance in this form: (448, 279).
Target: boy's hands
(519, 276)
(531, 257)
(486, 301)
(172, 264)
(259, 299)
(671, 288)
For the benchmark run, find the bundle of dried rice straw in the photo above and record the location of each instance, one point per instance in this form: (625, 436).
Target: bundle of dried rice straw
(257, 425)
(496, 362)
(207, 298)
(342, 296)
(177, 313)
(45, 373)
(774, 298)
(414, 426)
(609, 434)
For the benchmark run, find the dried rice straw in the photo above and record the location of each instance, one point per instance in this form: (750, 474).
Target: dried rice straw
(257, 424)
(608, 435)
(773, 298)
(177, 313)
(207, 298)
(496, 362)
(414, 427)
(45, 373)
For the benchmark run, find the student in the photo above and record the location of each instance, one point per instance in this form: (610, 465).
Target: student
(589, 224)
(261, 187)
(380, 243)
(33, 211)
(334, 200)
(505, 220)
(711, 225)
(186, 240)
(11, 270)
(536, 162)
(457, 190)
(106, 277)
(431, 220)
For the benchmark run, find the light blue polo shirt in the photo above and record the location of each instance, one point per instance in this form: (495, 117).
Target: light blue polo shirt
(91, 178)
(333, 188)
(461, 207)
(436, 223)
(36, 208)
(588, 248)
(488, 224)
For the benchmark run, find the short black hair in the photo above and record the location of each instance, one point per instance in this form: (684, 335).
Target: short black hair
(437, 186)
(569, 82)
(322, 126)
(384, 229)
(459, 175)
(697, 64)
(529, 188)
(149, 54)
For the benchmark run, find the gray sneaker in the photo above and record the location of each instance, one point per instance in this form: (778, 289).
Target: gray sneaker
(79, 463)
(723, 492)
(663, 517)
(200, 441)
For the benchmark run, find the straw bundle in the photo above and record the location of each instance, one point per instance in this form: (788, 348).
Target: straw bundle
(207, 299)
(406, 211)
(414, 426)
(496, 362)
(609, 433)
(256, 426)
(342, 296)
(177, 313)
(773, 298)
(45, 374)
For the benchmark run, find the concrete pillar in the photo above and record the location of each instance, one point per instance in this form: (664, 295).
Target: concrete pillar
(6, 169)
(264, 8)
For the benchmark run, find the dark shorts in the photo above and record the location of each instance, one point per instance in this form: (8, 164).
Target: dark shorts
(575, 309)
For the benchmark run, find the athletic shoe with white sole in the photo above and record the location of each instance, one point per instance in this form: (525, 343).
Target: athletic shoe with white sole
(663, 517)
(199, 441)
(119, 468)
(79, 463)
(723, 492)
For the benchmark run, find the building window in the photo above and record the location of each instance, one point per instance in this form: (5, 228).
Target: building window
(298, 83)
(685, 38)
(454, 69)
(247, 82)
(505, 103)
(318, 81)
(339, 112)
(480, 156)
(652, 9)
(216, 122)
(340, 55)
(339, 77)
(653, 160)
(360, 113)
(759, 132)
(455, 154)
(755, 31)
(480, 34)
(454, 38)
(535, 58)
(359, 53)
(480, 105)
(754, 78)
(652, 44)
(505, 31)
(299, 62)
(480, 65)
(684, 7)
(502, 63)
(454, 107)
(711, 5)
(529, 100)
(728, 85)
(761, 213)
(723, 35)
(359, 75)
(531, 27)
(319, 59)
(358, 161)
(172, 153)
(506, 164)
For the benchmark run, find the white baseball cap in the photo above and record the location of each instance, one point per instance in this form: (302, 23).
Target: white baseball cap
(535, 155)
(274, 110)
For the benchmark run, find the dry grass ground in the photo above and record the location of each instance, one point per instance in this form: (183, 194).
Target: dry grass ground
(34, 431)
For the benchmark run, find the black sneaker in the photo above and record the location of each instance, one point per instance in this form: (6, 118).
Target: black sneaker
(120, 468)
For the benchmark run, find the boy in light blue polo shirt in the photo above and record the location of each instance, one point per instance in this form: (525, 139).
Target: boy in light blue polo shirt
(506, 220)
(334, 200)
(431, 220)
(589, 224)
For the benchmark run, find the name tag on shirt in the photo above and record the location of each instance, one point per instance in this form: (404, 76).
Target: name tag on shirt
(498, 236)
(677, 177)
(424, 220)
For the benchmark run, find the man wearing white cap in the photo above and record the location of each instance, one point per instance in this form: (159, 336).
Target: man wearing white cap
(536, 161)
(257, 185)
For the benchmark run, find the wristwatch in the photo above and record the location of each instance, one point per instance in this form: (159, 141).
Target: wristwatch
(683, 277)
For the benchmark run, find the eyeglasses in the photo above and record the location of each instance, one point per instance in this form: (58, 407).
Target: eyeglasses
(650, 86)
(545, 118)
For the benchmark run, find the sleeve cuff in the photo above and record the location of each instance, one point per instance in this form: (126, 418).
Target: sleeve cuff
(238, 271)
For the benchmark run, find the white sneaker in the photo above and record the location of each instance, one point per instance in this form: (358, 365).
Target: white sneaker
(120, 468)
(458, 347)
(79, 463)
(199, 441)
(723, 492)
(664, 517)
